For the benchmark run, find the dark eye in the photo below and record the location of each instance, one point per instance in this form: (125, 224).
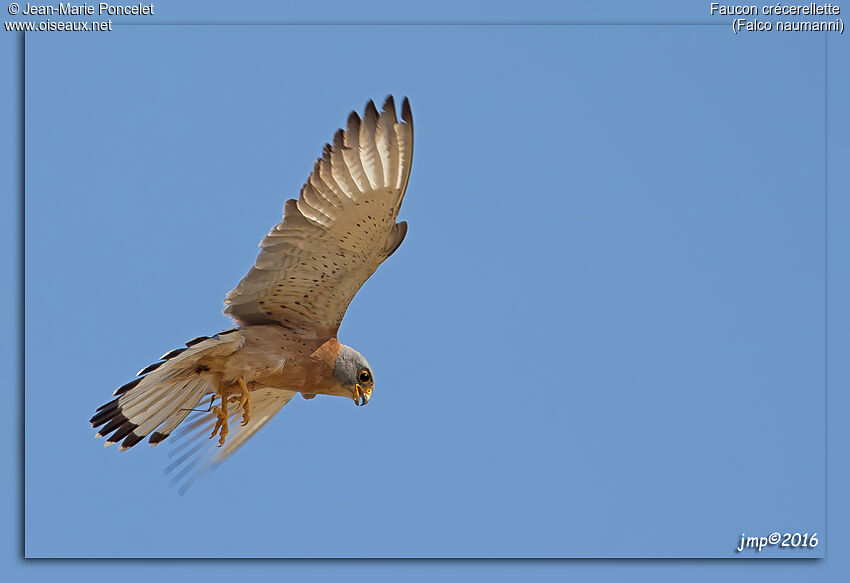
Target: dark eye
(364, 376)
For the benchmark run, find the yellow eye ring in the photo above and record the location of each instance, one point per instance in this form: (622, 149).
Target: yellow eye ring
(364, 376)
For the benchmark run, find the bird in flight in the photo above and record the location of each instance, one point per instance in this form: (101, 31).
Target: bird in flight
(287, 309)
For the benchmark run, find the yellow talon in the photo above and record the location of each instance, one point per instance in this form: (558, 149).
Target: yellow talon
(245, 401)
(221, 425)
(222, 428)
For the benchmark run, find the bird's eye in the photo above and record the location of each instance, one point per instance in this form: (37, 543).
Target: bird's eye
(364, 376)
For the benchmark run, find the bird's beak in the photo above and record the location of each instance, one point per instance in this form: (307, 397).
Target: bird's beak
(361, 395)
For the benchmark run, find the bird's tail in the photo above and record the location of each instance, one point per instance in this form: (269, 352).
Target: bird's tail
(164, 393)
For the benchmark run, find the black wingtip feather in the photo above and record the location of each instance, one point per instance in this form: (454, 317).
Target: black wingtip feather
(173, 353)
(353, 121)
(131, 385)
(150, 368)
(197, 340)
(389, 104)
(370, 116)
(406, 114)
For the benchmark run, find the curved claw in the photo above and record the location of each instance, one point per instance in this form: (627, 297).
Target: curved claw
(221, 426)
(245, 401)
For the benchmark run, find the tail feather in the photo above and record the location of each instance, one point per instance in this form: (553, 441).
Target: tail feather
(185, 407)
(192, 391)
(147, 405)
(124, 388)
(167, 393)
(163, 395)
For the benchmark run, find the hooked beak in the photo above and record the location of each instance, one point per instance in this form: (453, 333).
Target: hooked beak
(361, 395)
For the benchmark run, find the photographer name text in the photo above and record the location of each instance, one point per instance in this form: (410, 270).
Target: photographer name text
(85, 9)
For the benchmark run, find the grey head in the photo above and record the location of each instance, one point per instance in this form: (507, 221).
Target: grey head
(352, 371)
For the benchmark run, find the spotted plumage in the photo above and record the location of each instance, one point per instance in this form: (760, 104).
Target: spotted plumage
(288, 307)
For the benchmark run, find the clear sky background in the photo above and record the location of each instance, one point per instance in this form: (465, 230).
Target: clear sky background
(603, 337)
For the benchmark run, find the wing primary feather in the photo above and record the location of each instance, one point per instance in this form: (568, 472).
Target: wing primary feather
(190, 463)
(183, 440)
(325, 197)
(324, 177)
(176, 463)
(369, 155)
(388, 143)
(202, 417)
(406, 114)
(404, 134)
(194, 477)
(351, 155)
(389, 105)
(339, 169)
(195, 453)
(310, 205)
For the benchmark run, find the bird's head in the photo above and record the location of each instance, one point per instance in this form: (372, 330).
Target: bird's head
(352, 371)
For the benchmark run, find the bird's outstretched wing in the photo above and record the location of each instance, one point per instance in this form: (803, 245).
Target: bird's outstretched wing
(341, 228)
(194, 453)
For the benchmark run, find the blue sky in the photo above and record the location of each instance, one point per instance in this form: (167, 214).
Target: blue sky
(603, 336)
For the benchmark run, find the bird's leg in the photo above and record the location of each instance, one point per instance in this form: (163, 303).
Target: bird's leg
(245, 401)
(221, 426)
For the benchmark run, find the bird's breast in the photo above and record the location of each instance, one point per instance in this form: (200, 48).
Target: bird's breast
(293, 368)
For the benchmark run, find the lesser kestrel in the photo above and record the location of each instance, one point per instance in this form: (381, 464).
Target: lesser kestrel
(288, 307)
